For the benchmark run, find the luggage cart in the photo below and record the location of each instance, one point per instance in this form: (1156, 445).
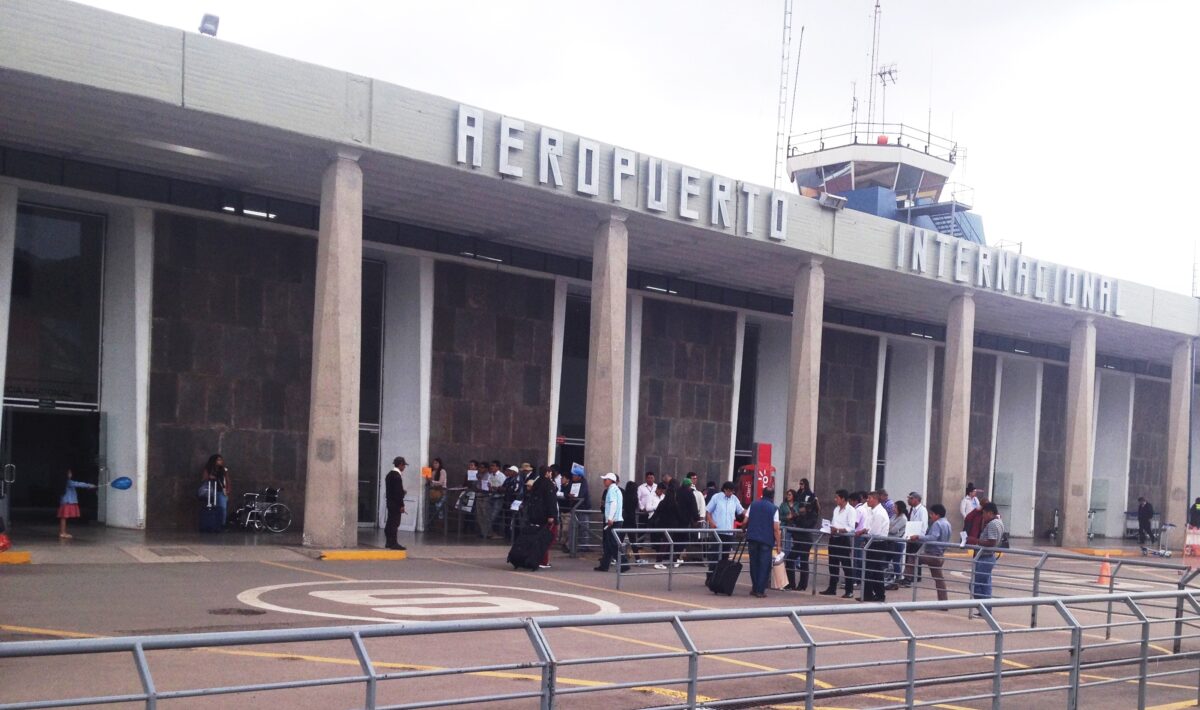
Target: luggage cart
(1162, 551)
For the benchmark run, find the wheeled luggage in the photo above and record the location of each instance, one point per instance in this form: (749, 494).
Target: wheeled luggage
(725, 573)
(210, 513)
(529, 547)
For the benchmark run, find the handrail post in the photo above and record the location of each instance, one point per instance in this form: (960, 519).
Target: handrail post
(693, 661)
(1112, 582)
(368, 668)
(910, 669)
(1183, 582)
(998, 658)
(143, 669)
(620, 553)
(549, 665)
(810, 662)
(1037, 583)
(1144, 651)
(862, 572)
(1076, 653)
(670, 559)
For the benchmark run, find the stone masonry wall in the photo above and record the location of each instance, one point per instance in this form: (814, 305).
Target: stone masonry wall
(490, 398)
(846, 411)
(1148, 449)
(1052, 448)
(686, 390)
(231, 361)
(979, 438)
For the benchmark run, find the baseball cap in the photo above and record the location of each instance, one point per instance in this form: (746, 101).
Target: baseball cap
(609, 477)
(514, 469)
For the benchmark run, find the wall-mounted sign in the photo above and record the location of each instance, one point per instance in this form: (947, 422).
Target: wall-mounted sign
(627, 179)
(959, 261)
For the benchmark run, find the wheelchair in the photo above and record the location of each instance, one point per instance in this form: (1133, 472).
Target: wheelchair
(263, 510)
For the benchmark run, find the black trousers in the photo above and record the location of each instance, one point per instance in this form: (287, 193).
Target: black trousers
(1144, 529)
(393, 524)
(839, 558)
(609, 542)
(873, 585)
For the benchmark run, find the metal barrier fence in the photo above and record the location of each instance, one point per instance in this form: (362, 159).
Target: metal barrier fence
(1000, 662)
(1016, 573)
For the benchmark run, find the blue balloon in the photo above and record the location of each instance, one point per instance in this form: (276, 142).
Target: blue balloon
(123, 483)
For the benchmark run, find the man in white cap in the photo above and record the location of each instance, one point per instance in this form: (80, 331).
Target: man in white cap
(614, 504)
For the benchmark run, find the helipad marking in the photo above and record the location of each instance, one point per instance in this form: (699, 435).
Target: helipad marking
(253, 598)
(432, 602)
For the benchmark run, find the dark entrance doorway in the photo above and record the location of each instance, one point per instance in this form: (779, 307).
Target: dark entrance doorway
(40, 446)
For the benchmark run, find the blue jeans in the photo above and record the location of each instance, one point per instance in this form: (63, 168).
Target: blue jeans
(981, 580)
(760, 566)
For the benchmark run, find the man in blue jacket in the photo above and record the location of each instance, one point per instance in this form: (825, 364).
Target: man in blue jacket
(762, 535)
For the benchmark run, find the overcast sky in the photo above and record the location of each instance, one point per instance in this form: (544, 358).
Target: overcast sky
(1070, 110)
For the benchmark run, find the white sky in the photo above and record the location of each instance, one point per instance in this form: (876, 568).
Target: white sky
(1068, 109)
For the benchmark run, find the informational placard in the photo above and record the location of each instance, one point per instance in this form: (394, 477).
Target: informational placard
(577, 468)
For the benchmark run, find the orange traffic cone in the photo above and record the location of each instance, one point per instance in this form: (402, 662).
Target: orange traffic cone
(1105, 578)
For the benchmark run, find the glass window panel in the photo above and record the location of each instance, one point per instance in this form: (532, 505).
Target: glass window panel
(368, 476)
(54, 326)
(371, 364)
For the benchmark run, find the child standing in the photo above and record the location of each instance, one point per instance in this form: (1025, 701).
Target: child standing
(68, 505)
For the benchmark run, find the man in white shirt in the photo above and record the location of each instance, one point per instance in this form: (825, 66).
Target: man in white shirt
(859, 502)
(876, 523)
(721, 513)
(647, 498)
(917, 513)
(841, 528)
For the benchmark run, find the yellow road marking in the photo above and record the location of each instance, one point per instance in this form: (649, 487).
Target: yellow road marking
(310, 571)
(33, 631)
(1175, 706)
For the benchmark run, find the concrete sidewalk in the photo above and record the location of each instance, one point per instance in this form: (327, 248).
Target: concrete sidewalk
(96, 544)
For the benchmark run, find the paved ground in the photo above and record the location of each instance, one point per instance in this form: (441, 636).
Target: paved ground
(108, 583)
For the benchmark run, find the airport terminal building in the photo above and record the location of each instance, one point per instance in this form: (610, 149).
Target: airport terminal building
(211, 248)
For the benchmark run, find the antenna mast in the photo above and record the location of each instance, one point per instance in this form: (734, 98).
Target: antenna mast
(780, 123)
(874, 67)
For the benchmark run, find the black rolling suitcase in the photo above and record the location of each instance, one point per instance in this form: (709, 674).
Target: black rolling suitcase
(529, 547)
(724, 576)
(210, 513)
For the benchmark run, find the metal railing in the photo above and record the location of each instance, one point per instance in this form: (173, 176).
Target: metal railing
(1016, 573)
(900, 134)
(996, 662)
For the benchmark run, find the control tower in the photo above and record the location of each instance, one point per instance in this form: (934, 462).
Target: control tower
(886, 169)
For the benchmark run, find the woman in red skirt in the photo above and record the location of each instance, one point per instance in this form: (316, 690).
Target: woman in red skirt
(68, 505)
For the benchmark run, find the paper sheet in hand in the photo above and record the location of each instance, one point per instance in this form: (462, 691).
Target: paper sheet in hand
(914, 528)
(825, 525)
(962, 539)
(575, 487)
(516, 505)
(471, 475)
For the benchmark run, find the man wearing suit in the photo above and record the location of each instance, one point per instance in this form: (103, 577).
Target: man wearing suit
(394, 492)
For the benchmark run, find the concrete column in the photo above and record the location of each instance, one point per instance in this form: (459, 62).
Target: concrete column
(331, 493)
(125, 367)
(1177, 444)
(1077, 473)
(8, 250)
(804, 374)
(956, 405)
(606, 352)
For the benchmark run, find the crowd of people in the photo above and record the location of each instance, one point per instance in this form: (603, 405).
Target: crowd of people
(905, 537)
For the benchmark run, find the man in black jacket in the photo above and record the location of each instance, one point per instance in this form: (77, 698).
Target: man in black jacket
(1145, 513)
(394, 492)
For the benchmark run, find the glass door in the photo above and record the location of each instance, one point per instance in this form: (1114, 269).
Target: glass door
(8, 470)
